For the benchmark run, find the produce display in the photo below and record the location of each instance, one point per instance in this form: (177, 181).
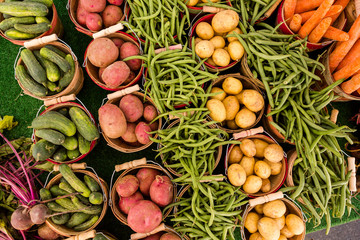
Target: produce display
(163, 236)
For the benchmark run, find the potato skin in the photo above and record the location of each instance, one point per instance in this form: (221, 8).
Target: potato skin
(231, 124)
(169, 236)
(232, 107)
(231, 39)
(252, 184)
(221, 57)
(245, 118)
(232, 85)
(225, 21)
(102, 52)
(101, 70)
(144, 216)
(294, 224)
(286, 232)
(118, 42)
(142, 133)
(161, 191)
(259, 208)
(146, 176)
(94, 5)
(236, 50)
(204, 31)
(115, 74)
(280, 221)
(235, 155)
(266, 185)
(275, 167)
(111, 15)
(155, 236)
(267, 227)
(247, 147)
(129, 49)
(115, 2)
(218, 42)
(262, 169)
(94, 22)
(221, 96)
(248, 164)
(251, 222)
(129, 135)
(112, 120)
(260, 146)
(127, 186)
(274, 209)
(256, 236)
(150, 113)
(252, 100)
(132, 107)
(236, 175)
(217, 110)
(126, 203)
(204, 49)
(81, 13)
(274, 153)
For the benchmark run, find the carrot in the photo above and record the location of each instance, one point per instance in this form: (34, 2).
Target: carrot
(348, 70)
(289, 9)
(358, 91)
(318, 32)
(334, 9)
(343, 48)
(336, 34)
(342, 3)
(295, 23)
(352, 55)
(316, 18)
(306, 16)
(307, 5)
(351, 85)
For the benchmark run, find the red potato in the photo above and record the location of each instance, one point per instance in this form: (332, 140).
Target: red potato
(154, 237)
(150, 113)
(111, 15)
(170, 236)
(94, 22)
(112, 121)
(142, 133)
(130, 78)
(154, 126)
(129, 49)
(118, 42)
(132, 107)
(144, 216)
(101, 70)
(94, 5)
(81, 14)
(115, 2)
(46, 233)
(129, 135)
(126, 203)
(115, 74)
(161, 191)
(146, 176)
(127, 186)
(102, 52)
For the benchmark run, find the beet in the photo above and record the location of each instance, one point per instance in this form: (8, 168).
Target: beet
(20, 219)
(39, 213)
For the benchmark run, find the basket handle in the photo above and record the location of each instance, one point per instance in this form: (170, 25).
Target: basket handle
(173, 47)
(159, 228)
(109, 30)
(62, 99)
(123, 92)
(39, 41)
(209, 9)
(334, 115)
(73, 166)
(131, 164)
(265, 199)
(272, 9)
(351, 167)
(83, 236)
(248, 133)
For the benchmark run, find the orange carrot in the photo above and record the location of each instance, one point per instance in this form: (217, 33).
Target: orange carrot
(316, 18)
(352, 55)
(335, 9)
(348, 70)
(306, 16)
(318, 32)
(351, 85)
(295, 23)
(358, 91)
(342, 3)
(343, 48)
(289, 9)
(336, 34)
(307, 5)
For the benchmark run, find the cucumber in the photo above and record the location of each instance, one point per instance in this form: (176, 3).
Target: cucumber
(61, 219)
(36, 28)
(69, 75)
(72, 154)
(96, 198)
(6, 16)
(10, 22)
(47, 3)
(24, 9)
(55, 49)
(83, 124)
(77, 219)
(66, 187)
(60, 155)
(52, 71)
(36, 71)
(43, 150)
(84, 145)
(50, 135)
(28, 83)
(45, 194)
(91, 183)
(66, 203)
(55, 120)
(64, 111)
(55, 58)
(53, 206)
(71, 143)
(52, 87)
(86, 209)
(42, 20)
(74, 181)
(57, 191)
(86, 225)
(17, 35)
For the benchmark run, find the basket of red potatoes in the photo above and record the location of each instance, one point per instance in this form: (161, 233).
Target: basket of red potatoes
(104, 61)
(140, 193)
(162, 232)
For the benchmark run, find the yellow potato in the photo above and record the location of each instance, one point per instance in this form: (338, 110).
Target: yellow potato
(252, 99)
(232, 124)
(211, 62)
(236, 50)
(267, 227)
(266, 185)
(220, 34)
(262, 169)
(275, 167)
(221, 57)
(217, 110)
(191, 3)
(294, 224)
(204, 31)
(280, 222)
(245, 118)
(232, 107)
(236, 175)
(248, 164)
(197, 40)
(226, 48)
(260, 145)
(247, 147)
(218, 41)
(232, 85)
(235, 155)
(204, 49)
(282, 237)
(252, 184)
(274, 153)
(286, 232)
(259, 208)
(251, 222)
(236, 30)
(225, 21)
(221, 96)
(274, 209)
(256, 236)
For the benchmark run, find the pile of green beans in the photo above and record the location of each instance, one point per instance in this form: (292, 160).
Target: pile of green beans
(209, 211)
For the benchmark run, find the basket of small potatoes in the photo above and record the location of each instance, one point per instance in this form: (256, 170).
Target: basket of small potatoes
(273, 216)
(237, 103)
(257, 164)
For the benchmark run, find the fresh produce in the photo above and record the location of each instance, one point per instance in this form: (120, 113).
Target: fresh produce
(126, 203)
(112, 121)
(146, 176)
(144, 217)
(127, 186)
(46, 233)
(115, 74)
(161, 191)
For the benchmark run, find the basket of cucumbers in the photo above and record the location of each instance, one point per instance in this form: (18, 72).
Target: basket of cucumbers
(21, 21)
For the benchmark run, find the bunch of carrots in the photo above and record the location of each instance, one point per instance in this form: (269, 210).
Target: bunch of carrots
(314, 18)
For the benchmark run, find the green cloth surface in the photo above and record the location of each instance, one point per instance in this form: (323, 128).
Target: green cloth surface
(103, 158)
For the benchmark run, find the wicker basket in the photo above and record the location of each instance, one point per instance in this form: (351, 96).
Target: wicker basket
(64, 231)
(90, 235)
(76, 83)
(162, 228)
(245, 70)
(247, 83)
(56, 27)
(196, 11)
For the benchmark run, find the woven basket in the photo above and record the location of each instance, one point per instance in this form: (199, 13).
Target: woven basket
(76, 83)
(196, 11)
(245, 70)
(162, 228)
(64, 231)
(56, 27)
(247, 83)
